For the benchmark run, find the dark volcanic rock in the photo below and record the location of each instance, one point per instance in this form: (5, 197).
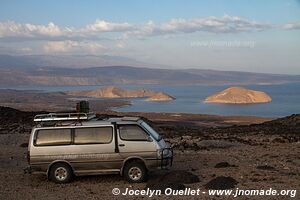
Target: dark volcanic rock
(24, 145)
(11, 116)
(174, 179)
(221, 183)
(265, 167)
(279, 140)
(15, 121)
(224, 165)
(180, 176)
(291, 121)
(287, 127)
(215, 144)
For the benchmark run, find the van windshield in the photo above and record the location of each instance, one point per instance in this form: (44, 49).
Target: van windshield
(156, 136)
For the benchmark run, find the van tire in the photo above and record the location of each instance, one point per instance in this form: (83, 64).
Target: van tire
(61, 173)
(135, 172)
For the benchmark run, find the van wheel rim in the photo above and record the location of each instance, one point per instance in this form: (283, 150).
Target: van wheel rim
(135, 173)
(61, 173)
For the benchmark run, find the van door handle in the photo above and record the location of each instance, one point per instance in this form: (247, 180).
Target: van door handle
(121, 145)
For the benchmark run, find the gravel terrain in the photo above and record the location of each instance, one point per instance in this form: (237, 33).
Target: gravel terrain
(247, 157)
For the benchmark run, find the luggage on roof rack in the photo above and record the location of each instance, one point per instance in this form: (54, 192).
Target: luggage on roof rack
(83, 107)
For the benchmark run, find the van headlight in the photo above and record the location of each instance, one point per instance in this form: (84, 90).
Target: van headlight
(163, 151)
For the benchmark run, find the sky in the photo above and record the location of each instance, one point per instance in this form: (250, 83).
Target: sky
(239, 35)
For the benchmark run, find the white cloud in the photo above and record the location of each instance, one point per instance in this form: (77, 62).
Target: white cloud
(68, 46)
(13, 31)
(58, 39)
(225, 24)
(104, 26)
(292, 26)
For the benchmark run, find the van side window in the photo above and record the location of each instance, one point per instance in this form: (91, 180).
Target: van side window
(97, 135)
(132, 132)
(53, 137)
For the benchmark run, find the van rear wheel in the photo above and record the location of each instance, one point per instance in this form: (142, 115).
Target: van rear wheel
(60, 173)
(135, 172)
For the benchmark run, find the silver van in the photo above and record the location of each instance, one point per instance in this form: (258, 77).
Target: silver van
(127, 146)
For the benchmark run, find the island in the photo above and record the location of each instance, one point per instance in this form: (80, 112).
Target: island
(115, 92)
(239, 95)
(160, 96)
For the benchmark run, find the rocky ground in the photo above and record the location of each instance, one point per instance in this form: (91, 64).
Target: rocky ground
(258, 156)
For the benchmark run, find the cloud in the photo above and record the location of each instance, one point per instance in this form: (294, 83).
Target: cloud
(104, 26)
(13, 31)
(68, 46)
(225, 24)
(291, 26)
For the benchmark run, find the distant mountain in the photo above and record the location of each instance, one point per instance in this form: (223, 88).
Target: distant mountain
(35, 70)
(68, 61)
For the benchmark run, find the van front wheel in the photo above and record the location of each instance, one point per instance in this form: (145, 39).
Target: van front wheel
(135, 172)
(60, 173)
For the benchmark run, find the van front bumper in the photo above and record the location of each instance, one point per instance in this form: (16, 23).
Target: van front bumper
(166, 158)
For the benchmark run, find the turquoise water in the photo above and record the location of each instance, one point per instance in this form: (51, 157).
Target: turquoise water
(189, 99)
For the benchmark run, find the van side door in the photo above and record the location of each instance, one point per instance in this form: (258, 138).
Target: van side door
(95, 150)
(134, 141)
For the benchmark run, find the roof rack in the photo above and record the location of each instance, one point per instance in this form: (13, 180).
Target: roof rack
(63, 117)
(135, 119)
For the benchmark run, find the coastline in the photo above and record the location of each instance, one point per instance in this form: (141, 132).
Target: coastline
(189, 100)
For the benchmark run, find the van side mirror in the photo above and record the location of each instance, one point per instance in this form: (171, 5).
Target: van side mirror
(149, 139)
